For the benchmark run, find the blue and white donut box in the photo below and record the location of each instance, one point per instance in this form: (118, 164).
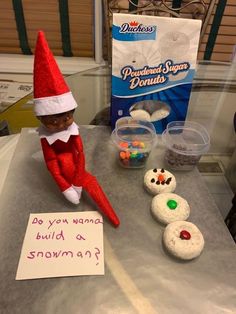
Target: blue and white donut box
(153, 66)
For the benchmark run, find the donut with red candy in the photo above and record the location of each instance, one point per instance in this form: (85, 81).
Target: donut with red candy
(183, 240)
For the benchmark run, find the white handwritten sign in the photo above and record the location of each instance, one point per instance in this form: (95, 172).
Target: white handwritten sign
(62, 244)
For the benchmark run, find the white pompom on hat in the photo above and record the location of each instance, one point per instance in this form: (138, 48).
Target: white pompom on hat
(51, 93)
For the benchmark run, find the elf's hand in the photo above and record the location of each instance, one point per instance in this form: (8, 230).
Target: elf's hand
(78, 189)
(72, 195)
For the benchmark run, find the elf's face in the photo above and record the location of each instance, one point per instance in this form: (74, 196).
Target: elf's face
(57, 122)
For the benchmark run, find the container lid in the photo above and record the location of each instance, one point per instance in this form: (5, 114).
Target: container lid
(128, 130)
(186, 138)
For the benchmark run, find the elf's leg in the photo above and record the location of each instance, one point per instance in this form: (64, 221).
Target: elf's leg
(92, 187)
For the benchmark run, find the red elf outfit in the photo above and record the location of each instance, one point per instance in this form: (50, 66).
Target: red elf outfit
(63, 150)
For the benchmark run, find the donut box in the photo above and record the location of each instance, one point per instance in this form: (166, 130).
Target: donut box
(153, 66)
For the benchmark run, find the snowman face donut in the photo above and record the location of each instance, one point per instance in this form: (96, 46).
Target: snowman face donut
(169, 207)
(159, 181)
(183, 239)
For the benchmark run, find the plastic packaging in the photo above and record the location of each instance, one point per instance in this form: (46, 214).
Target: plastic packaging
(185, 142)
(134, 140)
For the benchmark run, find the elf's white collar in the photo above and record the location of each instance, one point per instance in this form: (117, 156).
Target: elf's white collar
(63, 136)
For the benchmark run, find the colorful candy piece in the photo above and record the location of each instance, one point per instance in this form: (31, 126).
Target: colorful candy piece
(124, 144)
(140, 156)
(133, 155)
(125, 162)
(130, 155)
(185, 235)
(172, 204)
(122, 155)
(127, 154)
(135, 143)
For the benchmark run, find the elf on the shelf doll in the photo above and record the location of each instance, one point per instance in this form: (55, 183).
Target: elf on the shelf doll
(61, 143)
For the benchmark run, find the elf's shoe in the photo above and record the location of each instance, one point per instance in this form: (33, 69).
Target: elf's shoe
(92, 187)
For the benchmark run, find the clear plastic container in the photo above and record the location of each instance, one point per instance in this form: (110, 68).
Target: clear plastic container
(185, 142)
(134, 140)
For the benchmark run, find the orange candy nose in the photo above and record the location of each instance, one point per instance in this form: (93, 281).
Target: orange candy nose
(161, 177)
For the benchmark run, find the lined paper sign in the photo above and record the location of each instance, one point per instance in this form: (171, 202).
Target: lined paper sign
(62, 244)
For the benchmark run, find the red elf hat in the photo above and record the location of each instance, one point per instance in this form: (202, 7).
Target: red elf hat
(51, 93)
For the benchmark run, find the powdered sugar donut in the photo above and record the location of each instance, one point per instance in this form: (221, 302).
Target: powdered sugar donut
(136, 59)
(140, 114)
(149, 110)
(183, 240)
(134, 54)
(159, 181)
(174, 45)
(169, 207)
(160, 114)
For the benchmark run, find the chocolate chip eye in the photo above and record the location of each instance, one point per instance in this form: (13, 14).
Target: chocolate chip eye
(162, 170)
(155, 170)
(153, 180)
